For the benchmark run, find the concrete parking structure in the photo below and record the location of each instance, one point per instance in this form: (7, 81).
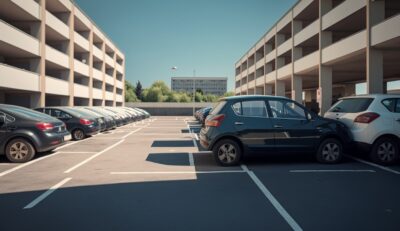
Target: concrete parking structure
(52, 54)
(151, 175)
(323, 48)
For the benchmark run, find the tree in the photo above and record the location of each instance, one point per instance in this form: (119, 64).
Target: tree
(198, 97)
(184, 98)
(154, 94)
(173, 97)
(163, 87)
(229, 93)
(139, 90)
(130, 95)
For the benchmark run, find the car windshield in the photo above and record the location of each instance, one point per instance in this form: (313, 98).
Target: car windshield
(27, 113)
(352, 105)
(217, 107)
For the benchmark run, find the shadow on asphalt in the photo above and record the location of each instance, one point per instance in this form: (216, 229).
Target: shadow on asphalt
(172, 143)
(177, 159)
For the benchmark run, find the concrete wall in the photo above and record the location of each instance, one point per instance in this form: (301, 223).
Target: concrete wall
(169, 109)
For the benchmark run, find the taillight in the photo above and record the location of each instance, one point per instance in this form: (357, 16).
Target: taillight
(215, 121)
(85, 122)
(366, 118)
(44, 126)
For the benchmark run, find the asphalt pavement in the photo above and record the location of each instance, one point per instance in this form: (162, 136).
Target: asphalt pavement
(152, 175)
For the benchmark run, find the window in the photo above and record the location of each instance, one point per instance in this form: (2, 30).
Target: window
(352, 105)
(60, 114)
(389, 104)
(217, 108)
(397, 108)
(284, 109)
(250, 108)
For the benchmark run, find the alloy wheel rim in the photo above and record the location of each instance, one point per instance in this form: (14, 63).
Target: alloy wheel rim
(19, 150)
(227, 153)
(386, 152)
(78, 134)
(331, 152)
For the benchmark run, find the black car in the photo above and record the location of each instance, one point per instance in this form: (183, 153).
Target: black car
(24, 132)
(79, 124)
(244, 124)
(108, 119)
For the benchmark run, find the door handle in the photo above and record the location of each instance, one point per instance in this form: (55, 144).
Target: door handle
(278, 126)
(239, 123)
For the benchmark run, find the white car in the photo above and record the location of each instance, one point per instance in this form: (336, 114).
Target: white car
(374, 121)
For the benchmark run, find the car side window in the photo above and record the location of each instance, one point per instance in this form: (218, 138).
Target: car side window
(254, 108)
(250, 108)
(60, 114)
(237, 108)
(47, 111)
(397, 108)
(284, 109)
(389, 104)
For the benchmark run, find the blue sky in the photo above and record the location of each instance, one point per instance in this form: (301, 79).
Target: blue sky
(208, 36)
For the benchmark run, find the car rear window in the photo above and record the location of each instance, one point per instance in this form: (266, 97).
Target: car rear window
(352, 105)
(217, 108)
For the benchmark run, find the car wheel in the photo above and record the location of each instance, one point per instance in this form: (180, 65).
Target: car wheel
(330, 151)
(385, 151)
(19, 151)
(227, 152)
(78, 134)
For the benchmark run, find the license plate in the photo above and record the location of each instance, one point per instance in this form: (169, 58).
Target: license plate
(67, 137)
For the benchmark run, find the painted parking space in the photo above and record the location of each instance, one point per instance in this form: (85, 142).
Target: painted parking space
(125, 178)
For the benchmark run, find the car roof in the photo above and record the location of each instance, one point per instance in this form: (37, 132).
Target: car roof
(375, 96)
(239, 97)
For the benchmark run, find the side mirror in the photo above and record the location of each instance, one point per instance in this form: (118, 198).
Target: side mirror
(2, 120)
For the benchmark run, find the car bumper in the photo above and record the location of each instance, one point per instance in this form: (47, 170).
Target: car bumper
(52, 141)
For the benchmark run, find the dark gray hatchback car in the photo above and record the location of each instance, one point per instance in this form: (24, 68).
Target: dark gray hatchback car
(245, 124)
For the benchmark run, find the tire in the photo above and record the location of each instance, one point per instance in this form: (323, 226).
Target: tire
(330, 151)
(19, 151)
(227, 152)
(385, 151)
(78, 134)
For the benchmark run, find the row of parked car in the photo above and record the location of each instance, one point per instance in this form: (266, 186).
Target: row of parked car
(25, 132)
(240, 125)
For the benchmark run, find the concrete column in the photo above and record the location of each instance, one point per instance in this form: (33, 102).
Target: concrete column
(324, 94)
(103, 70)
(71, 57)
(41, 101)
(297, 88)
(280, 88)
(90, 66)
(374, 59)
(268, 89)
(115, 80)
(349, 89)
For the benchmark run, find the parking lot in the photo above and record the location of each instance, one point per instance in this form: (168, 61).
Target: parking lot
(152, 175)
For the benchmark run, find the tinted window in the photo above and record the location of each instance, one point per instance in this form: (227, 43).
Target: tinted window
(397, 109)
(286, 110)
(389, 104)
(254, 108)
(59, 114)
(354, 105)
(27, 113)
(237, 108)
(217, 108)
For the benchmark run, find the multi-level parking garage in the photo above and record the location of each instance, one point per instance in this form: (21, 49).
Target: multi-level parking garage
(51, 53)
(320, 49)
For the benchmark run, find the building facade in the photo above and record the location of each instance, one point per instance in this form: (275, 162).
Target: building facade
(51, 54)
(209, 85)
(320, 49)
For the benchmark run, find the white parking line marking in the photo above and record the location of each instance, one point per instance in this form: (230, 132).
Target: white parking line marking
(374, 165)
(197, 137)
(178, 172)
(77, 152)
(92, 157)
(28, 163)
(46, 194)
(191, 160)
(333, 170)
(99, 153)
(66, 145)
(293, 224)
